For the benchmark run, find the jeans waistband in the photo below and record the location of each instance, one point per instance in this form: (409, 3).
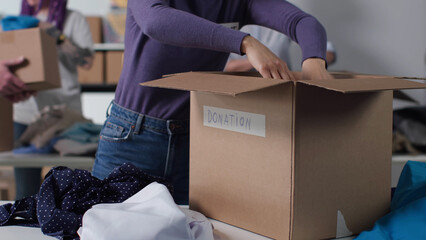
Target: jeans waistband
(139, 121)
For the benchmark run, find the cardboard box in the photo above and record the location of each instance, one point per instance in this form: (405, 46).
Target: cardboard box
(6, 125)
(95, 75)
(290, 160)
(114, 64)
(95, 24)
(40, 70)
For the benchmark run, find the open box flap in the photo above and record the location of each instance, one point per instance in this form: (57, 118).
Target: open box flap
(372, 84)
(214, 83)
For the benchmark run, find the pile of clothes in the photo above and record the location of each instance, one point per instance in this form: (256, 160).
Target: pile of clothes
(128, 204)
(59, 129)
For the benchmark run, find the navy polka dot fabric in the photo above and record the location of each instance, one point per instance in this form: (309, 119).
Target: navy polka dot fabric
(66, 195)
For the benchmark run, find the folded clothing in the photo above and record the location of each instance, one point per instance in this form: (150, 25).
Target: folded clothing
(11, 23)
(51, 122)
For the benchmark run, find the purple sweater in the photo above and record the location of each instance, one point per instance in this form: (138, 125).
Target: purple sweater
(171, 36)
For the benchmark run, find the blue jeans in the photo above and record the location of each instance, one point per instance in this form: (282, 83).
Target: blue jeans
(27, 179)
(158, 147)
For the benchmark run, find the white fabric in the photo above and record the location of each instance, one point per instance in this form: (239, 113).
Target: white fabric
(77, 30)
(150, 214)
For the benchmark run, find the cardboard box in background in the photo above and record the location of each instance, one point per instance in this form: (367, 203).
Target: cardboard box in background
(6, 125)
(290, 160)
(95, 24)
(95, 75)
(114, 64)
(40, 70)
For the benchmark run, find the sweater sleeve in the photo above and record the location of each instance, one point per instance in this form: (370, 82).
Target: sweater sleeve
(290, 20)
(168, 25)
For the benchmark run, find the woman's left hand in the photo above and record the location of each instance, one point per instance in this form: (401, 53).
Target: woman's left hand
(314, 69)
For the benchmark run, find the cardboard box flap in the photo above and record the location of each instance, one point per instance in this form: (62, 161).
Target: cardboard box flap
(364, 84)
(214, 83)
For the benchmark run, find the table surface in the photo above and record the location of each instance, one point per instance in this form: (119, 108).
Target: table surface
(222, 231)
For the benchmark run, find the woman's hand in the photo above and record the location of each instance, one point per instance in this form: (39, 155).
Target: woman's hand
(314, 69)
(264, 61)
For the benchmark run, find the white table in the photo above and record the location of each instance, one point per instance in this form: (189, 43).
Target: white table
(41, 160)
(222, 231)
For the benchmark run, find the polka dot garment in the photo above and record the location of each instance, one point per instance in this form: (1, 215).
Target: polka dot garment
(66, 195)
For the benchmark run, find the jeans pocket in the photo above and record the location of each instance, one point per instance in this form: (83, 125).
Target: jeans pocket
(115, 132)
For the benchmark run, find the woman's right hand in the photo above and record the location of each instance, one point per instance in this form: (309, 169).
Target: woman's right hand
(265, 61)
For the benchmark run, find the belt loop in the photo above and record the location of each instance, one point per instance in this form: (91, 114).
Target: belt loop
(169, 125)
(139, 122)
(109, 108)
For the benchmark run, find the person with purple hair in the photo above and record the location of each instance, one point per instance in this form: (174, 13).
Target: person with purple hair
(75, 48)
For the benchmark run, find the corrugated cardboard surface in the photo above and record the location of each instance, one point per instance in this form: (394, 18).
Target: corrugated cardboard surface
(363, 84)
(324, 152)
(95, 24)
(96, 75)
(342, 160)
(6, 125)
(114, 64)
(40, 71)
(52, 78)
(214, 83)
(241, 179)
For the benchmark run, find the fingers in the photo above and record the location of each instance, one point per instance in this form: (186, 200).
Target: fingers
(13, 62)
(265, 72)
(278, 70)
(18, 97)
(15, 83)
(284, 71)
(11, 84)
(265, 61)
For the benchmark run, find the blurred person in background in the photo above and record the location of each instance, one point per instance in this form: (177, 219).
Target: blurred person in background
(75, 48)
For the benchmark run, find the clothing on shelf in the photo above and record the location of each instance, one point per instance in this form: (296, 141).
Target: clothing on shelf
(83, 132)
(32, 149)
(150, 214)
(66, 147)
(66, 195)
(80, 139)
(51, 122)
(11, 23)
(410, 125)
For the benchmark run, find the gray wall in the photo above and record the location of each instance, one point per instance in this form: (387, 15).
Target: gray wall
(374, 36)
